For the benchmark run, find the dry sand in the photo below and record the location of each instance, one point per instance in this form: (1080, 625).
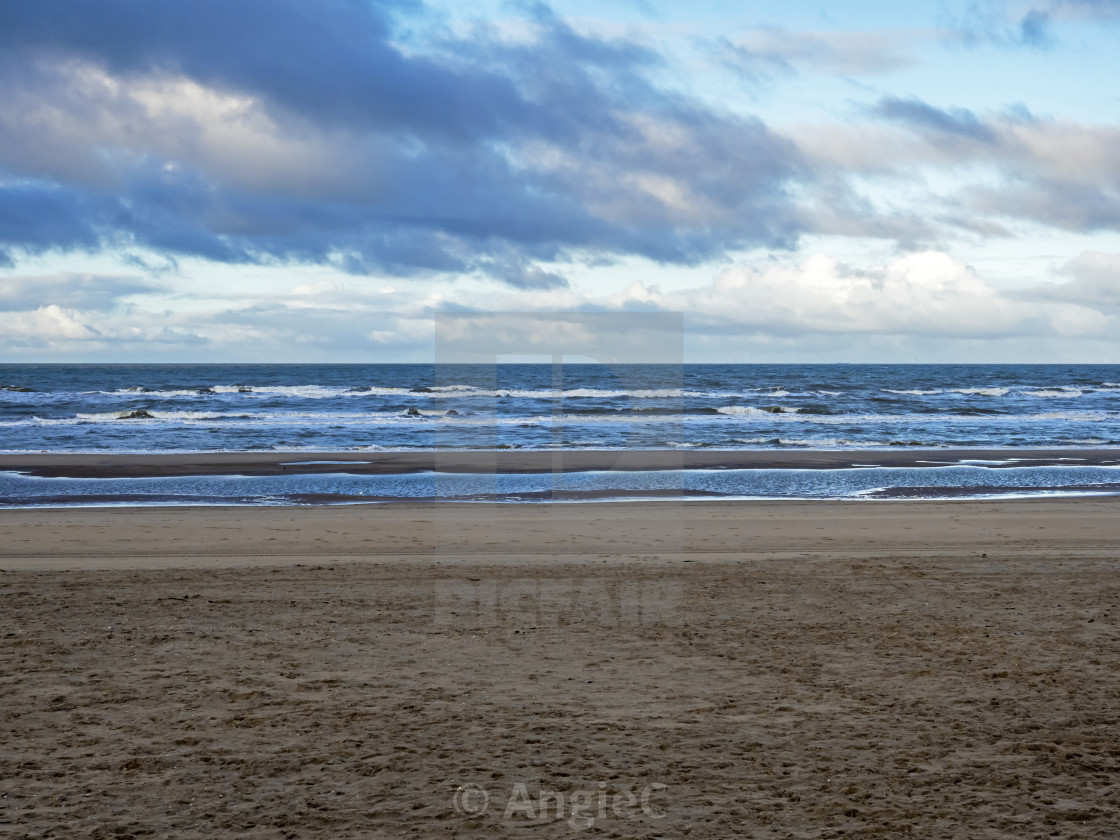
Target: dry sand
(891, 669)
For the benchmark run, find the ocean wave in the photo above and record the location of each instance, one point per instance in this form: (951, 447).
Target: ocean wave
(979, 411)
(313, 420)
(122, 417)
(167, 393)
(318, 392)
(428, 412)
(965, 416)
(1073, 416)
(1063, 391)
(307, 392)
(154, 416)
(550, 394)
(453, 392)
(801, 415)
(752, 411)
(982, 392)
(814, 443)
(462, 391)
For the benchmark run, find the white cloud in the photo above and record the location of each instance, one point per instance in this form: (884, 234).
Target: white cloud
(918, 299)
(1094, 279)
(921, 294)
(769, 49)
(928, 293)
(53, 323)
(94, 120)
(970, 172)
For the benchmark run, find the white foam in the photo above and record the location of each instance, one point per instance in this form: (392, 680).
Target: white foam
(423, 412)
(116, 416)
(132, 392)
(982, 392)
(312, 392)
(816, 443)
(550, 394)
(751, 411)
(1072, 416)
(1055, 392)
(916, 392)
(743, 410)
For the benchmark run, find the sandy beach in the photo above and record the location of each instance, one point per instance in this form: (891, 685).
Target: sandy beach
(730, 669)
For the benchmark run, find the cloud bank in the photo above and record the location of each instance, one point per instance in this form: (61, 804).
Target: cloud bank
(370, 138)
(276, 131)
(380, 139)
(990, 170)
(925, 296)
(1029, 24)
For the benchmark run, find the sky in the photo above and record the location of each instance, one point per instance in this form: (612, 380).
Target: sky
(318, 180)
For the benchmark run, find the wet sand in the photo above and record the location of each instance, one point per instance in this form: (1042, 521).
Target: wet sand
(854, 669)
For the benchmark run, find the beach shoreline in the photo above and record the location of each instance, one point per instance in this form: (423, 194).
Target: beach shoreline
(139, 465)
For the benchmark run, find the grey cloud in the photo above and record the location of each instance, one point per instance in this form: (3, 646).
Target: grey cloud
(1093, 279)
(771, 51)
(526, 276)
(1058, 174)
(43, 217)
(1069, 204)
(610, 337)
(331, 59)
(841, 210)
(1034, 28)
(311, 328)
(1005, 24)
(72, 291)
(467, 154)
(922, 117)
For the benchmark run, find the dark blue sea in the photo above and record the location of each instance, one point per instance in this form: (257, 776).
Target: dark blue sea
(87, 408)
(371, 408)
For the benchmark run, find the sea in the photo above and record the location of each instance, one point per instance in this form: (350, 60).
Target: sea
(162, 408)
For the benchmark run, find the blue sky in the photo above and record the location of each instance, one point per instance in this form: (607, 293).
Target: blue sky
(288, 180)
